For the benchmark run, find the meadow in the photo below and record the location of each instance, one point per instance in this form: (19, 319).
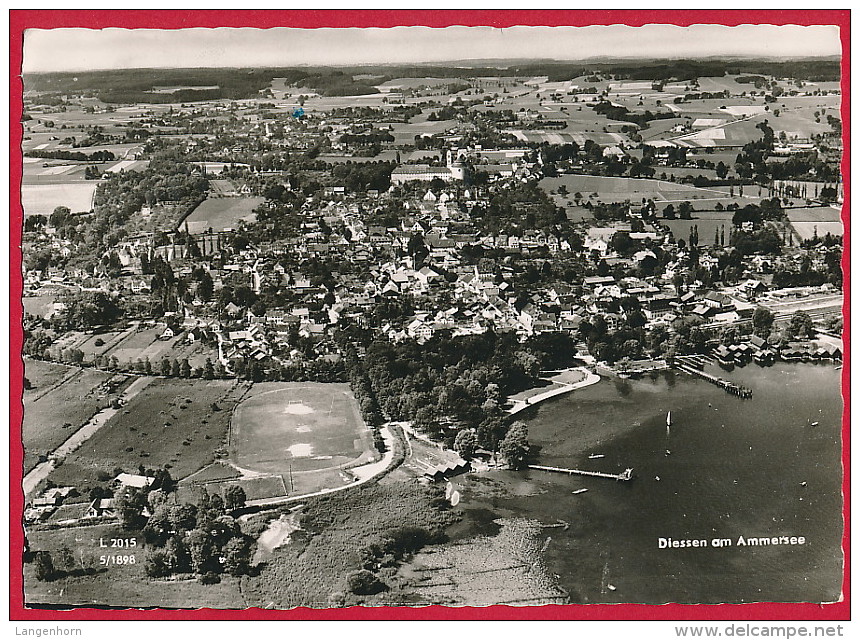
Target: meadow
(44, 198)
(172, 423)
(311, 570)
(220, 214)
(52, 413)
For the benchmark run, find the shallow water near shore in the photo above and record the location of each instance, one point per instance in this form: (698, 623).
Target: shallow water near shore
(751, 468)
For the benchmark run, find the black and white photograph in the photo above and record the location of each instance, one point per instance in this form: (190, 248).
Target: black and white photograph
(408, 316)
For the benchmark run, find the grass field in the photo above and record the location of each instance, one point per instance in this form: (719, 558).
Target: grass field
(616, 189)
(221, 214)
(309, 570)
(298, 427)
(44, 198)
(171, 422)
(46, 414)
(707, 222)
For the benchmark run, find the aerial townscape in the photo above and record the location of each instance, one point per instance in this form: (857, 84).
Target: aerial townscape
(563, 310)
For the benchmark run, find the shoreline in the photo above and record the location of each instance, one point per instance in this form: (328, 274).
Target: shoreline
(590, 379)
(485, 570)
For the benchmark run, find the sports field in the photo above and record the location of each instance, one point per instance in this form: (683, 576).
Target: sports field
(298, 427)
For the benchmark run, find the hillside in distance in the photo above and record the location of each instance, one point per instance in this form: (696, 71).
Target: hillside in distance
(142, 85)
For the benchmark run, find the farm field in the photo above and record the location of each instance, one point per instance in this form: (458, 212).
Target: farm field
(707, 222)
(170, 423)
(808, 230)
(617, 189)
(42, 375)
(298, 427)
(40, 305)
(815, 214)
(47, 412)
(44, 198)
(221, 214)
(118, 585)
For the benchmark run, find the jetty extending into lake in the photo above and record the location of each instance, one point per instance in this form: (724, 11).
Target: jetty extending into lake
(625, 475)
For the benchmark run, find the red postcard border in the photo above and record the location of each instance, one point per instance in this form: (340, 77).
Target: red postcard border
(20, 20)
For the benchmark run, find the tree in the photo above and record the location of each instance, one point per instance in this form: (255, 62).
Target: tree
(156, 564)
(466, 443)
(364, 583)
(129, 505)
(65, 559)
(762, 322)
(234, 497)
(205, 288)
(88, 309)
(237, 555)
(44, 566)
(515, 445)
(801, 326)
(669, 212)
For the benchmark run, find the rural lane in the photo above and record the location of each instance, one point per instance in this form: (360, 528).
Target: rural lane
(42, 470)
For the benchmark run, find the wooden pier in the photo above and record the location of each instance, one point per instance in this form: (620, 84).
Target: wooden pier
(625, 475)
(729, 387)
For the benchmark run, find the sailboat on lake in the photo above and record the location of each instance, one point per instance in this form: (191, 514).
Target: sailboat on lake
(668, 426)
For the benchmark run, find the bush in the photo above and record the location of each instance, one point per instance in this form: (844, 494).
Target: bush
(209, 578)
(44, 566)
(364, 583)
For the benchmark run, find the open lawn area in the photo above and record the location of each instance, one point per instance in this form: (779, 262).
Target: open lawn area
(171, 423)
(617, 189)
(44, 198)
(50, 418)
(220, 214)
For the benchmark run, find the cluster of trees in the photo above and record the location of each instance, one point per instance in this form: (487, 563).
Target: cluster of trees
(336, 83)
(60, 154)
(451, 386)
(522, 207)
(364, 395)
(89, 309)
(358, 177)
(168, 178)
(616, 112)
(203, 539)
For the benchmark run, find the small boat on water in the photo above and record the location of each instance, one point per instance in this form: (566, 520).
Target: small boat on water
(813, 424)
(578, 491)
(595, 456)
(668, 453)
(657, 478)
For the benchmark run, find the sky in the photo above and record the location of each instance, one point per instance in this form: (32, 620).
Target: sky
(89, 49)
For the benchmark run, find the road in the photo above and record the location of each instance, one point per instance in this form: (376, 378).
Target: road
(42, 470)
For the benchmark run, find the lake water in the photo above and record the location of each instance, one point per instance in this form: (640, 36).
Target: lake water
(735, 467)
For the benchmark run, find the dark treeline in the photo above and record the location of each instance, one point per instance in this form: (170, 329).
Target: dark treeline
(60, 154)
(135, 85)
